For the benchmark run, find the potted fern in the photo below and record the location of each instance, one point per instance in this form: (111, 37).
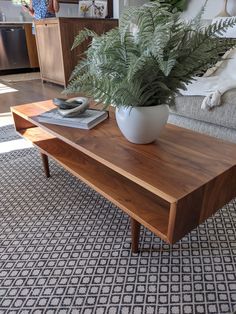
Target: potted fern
(141, 65)
(175, 5)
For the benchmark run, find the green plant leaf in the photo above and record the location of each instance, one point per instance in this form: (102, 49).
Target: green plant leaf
(149, 58)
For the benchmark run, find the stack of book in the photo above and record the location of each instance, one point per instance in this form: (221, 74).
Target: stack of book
(87, 120)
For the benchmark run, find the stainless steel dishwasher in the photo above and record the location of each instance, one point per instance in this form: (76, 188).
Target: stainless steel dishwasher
(13, 48)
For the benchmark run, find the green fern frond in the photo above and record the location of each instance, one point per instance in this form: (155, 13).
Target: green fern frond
(220, 27)
(82, 36)
(197, 20)
(166, 66)
(148, 64)
(137, 65)
(127, 19)
(82, 67)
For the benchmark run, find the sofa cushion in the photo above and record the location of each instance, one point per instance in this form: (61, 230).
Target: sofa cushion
(224, 115)
(222, 132)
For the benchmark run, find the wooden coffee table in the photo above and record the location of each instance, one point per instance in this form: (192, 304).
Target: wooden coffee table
(170, 186)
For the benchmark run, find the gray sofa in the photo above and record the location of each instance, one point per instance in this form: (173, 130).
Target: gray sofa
(219, 122)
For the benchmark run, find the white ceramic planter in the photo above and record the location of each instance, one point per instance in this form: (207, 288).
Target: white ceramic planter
(142, 125)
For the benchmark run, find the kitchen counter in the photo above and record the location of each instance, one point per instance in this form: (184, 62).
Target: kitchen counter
(15, 23)
(73, 20)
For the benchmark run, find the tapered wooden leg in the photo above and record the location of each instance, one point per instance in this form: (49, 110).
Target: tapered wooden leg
(135, 232)
(45, 164)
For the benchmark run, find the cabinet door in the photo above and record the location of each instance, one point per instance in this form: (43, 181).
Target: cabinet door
(50, 52)
(31, 45)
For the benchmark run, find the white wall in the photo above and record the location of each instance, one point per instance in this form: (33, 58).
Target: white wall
(212, 9)
(11, 11)
(116, 8)
(71, 10)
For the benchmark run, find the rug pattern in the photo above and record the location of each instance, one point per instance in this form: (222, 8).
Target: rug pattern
(66, 249)
(8, 133)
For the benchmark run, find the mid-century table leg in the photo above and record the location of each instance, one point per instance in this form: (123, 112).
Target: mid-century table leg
(45, 164)
(135, 232)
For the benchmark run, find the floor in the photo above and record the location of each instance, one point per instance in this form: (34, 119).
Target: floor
(13, 94)
(26, 92)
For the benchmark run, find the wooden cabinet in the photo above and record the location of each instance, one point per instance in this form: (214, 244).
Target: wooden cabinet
(54, 41)
(31, 46)
(50, 52)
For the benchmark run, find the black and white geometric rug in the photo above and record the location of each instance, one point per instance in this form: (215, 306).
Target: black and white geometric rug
(66, 249)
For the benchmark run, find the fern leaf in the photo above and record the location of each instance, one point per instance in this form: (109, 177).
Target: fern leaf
(148, 66)
(82, 36)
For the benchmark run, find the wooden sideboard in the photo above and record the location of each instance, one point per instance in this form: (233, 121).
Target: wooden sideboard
(54, 39)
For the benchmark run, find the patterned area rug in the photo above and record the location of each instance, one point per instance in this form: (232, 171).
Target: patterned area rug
(20, 77)
(66, 249)
(8, 133)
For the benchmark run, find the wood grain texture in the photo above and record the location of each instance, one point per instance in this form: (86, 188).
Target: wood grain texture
(223, 189)
(167, 160)
(135, 232)
(45, 164)
(110, 8)
(137, 202)
(201, 204)
(50, 52)
(31, 46)
(184, 217)
(21, 122)
(170, 186)
(55, 38)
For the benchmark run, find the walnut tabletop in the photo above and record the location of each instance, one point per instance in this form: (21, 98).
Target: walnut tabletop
(169, 186)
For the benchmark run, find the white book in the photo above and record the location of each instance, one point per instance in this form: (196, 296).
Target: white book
(86, 120)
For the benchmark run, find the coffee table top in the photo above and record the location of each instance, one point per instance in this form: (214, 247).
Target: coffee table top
(179, 162)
